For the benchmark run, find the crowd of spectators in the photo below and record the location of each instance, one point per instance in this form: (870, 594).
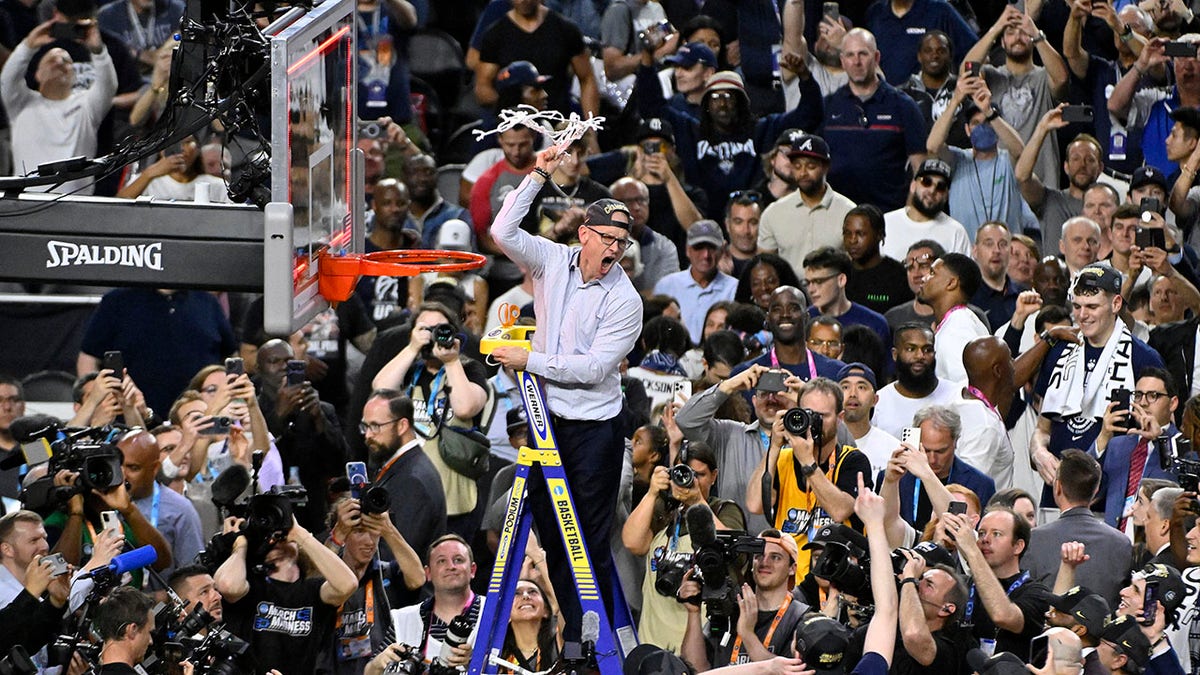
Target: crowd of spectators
(920, 314)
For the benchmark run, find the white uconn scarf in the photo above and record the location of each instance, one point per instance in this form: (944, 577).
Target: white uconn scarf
(1072, 391)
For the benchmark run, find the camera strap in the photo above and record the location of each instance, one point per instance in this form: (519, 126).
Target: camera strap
(431, 395)
(737, 644)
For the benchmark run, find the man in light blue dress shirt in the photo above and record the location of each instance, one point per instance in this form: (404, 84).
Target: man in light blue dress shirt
(588, 318)
(701, 285)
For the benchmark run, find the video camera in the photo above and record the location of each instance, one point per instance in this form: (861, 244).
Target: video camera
(88, 452)
(1175, 455)
(843, 567)
(709, 563)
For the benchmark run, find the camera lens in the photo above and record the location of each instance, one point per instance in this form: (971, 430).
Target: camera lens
(682, 475)
(375, 500)
(797, 421)
(443, 335)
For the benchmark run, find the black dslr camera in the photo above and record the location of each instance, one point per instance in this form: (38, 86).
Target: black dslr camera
(444, 335)
(801, 421)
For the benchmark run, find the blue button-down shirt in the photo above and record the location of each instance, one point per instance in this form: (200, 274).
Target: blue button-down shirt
(583, 329)
(695, 300)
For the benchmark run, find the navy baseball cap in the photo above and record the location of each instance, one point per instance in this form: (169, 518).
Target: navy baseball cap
(857, 369)
(519, 73)
(1151, 175)
(1099, 277)
(691, 54)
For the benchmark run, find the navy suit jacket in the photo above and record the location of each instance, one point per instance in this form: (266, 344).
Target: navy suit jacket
(1117, 457)
(960, 472)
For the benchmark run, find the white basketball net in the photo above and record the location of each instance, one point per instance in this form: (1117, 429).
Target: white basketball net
(543, 122)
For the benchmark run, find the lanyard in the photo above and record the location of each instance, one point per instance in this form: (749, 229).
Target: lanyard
(154, 504)
(673, 541)
(370, 607)
(812, 367)
(946, 317)
(764, 438)
(431, 393)
(737, 644)
(1012, 587)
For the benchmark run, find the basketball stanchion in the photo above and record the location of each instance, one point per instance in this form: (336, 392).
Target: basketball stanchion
(609, 640)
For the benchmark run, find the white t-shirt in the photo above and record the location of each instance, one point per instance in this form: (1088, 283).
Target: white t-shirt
(167, 188)
(894, 411)
(983, 442)
(878, 445)
(903, 232)
(957, 328)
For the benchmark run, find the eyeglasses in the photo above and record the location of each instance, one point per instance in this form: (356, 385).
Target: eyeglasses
(374, 427)
(937, 185)
(817, 344)
(721, 96)
(608, 240)
(922, 262)
(1147, 396)
(805, 283)
(745, 196)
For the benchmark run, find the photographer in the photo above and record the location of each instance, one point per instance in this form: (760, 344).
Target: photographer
(657, 530)
(195, 586)
(445, 388)
(359, 634)
(101, 397)
(124, 622)
(933, 599)
(454, 607)
(811, 483)
(29, 619)
(282, 615)
(767, 615)
(306, 429)
(1005, 607)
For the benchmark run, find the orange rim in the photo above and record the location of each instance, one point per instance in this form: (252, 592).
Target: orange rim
(337, 275)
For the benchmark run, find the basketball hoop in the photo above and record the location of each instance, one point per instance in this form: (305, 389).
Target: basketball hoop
(337, 275)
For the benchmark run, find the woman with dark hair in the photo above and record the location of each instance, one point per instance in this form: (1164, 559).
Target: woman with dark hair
(532, 639)
(179, 176)
(764, 273)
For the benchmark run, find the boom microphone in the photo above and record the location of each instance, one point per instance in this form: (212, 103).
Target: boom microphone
(700, 525)
(127, 562)
(31, 428)
(230, 485)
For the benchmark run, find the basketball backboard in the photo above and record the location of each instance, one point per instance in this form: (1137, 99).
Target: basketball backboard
(316, 189)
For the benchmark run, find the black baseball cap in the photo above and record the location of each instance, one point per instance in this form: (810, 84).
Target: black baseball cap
(1088, 609)
(1171, 588)
(647, 659)
(837, 533)
(1099, 277)
(822, 642)
(655, 127)
(1004, 663)
(808, 145)
(934, 167)
(1150, 175)
(600, 212)
(1126, 635)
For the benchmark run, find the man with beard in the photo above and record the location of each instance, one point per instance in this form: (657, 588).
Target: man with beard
(876, 282)
(984, 187)
(1075, 380)
(418, 504)
(997, 295)
(389, 231)
(739, 447)
(902, 25)
(917, 384)
(933, 85)
(1148, 111)
(1022, 90)
(427, 210)
(787, 312)
(952, 280)
(874, 131)
(808, 218)
(1050, 284)
(518, 145)
(659, 256)
(923, 217)
(776, 181)
(445, 388)
(307, 430)
(1083, 166)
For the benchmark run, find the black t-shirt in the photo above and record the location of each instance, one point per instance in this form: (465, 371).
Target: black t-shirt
(951, 658)
(1031, 597)
(117, 669)
(422, 385)
(286, 624)
(781, 640)
(880, 288)
(549, 48)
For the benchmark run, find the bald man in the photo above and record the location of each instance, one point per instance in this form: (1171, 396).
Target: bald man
(167, 511)
(982, 404)
(1064, 653)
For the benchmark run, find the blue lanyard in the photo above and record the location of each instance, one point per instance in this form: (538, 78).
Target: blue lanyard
(765, 438)
(431, 393)
(1012, 587)
(916, 496)
(154, 503)
(673, 542)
